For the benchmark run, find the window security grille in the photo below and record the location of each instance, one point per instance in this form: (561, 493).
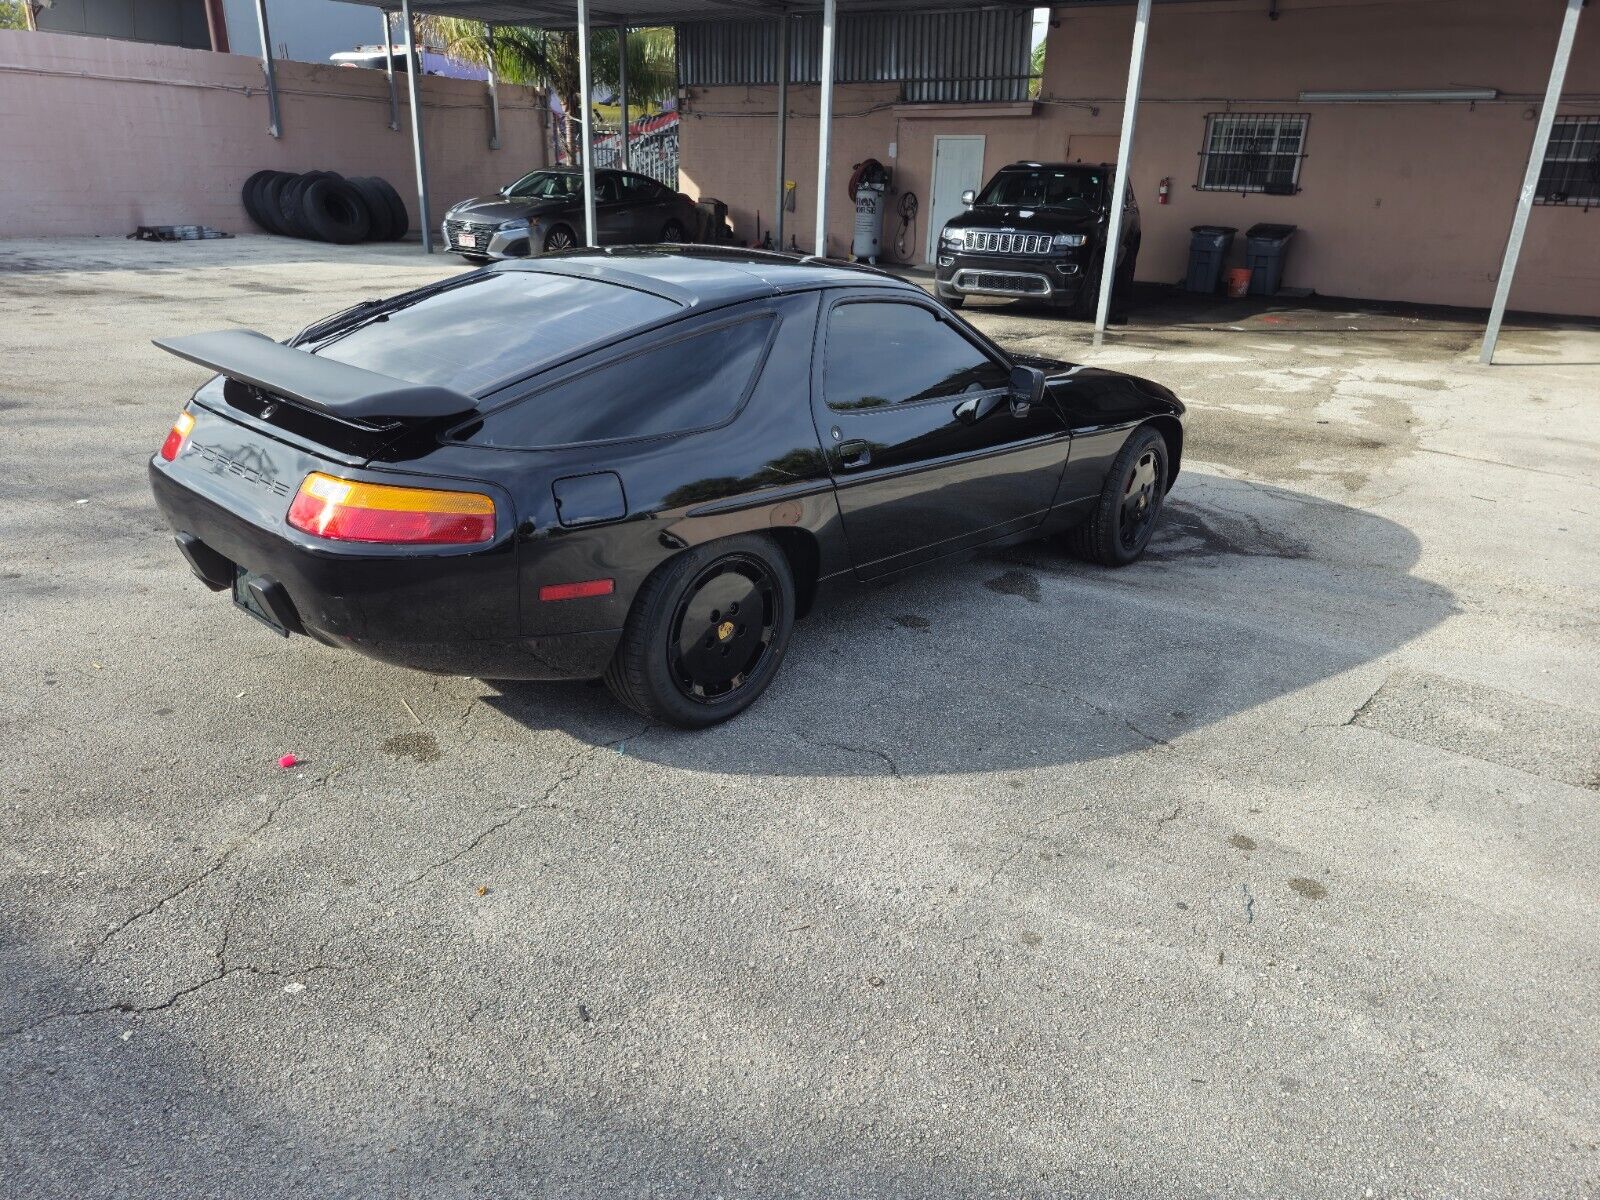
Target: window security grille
(1571, 171)
(1253, 152)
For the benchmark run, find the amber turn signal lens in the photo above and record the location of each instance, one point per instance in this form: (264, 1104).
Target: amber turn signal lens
(346, 510)
(176, 436)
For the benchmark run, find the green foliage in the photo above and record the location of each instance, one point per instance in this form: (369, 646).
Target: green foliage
(1036, 70)
(12, 16)
(548, 58)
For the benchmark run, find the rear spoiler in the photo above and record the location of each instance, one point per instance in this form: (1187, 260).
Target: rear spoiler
(335, 388)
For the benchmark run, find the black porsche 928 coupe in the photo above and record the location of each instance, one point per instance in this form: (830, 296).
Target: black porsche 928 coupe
(641, 463)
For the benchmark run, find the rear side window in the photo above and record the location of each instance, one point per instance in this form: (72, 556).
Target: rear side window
(494, 327)
(693, 382)
(880, 354)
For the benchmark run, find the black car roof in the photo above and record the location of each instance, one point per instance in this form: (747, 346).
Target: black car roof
(706, 276)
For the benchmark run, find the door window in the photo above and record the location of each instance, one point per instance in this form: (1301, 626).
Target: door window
(638, 189)
(880, 354)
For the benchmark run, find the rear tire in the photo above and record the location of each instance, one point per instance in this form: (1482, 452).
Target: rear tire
(706, 633)
(672, 231)
(1125, 514)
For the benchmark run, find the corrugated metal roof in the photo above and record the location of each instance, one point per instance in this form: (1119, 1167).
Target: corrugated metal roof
(938, 56)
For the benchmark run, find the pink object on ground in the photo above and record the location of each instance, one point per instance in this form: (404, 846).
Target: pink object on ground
(287, 761)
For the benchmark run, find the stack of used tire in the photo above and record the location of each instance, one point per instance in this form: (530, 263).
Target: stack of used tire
(325, 206)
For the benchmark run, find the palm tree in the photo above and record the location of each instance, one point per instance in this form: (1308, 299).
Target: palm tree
(548, 58)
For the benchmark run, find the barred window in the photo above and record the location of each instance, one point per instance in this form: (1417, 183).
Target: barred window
(1253, 152)
(1571, 171)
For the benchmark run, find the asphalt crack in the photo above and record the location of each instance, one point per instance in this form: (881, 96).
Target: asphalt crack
(221, 861)
(570, 771)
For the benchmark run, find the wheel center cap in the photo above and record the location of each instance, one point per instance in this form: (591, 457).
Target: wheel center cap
(725, 631)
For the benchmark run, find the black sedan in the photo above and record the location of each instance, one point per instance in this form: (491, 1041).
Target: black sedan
(543, 212)
(642, 464)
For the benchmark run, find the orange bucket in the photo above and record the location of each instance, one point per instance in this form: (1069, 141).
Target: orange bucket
(1238, 282)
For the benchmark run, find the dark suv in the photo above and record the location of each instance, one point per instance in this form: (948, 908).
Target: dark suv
(1037, 231)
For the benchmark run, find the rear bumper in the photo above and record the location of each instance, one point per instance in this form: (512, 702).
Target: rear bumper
(453, 614)
(1049, 280)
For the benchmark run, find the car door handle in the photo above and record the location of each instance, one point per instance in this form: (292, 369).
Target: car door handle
(973, 410)
(853, 454)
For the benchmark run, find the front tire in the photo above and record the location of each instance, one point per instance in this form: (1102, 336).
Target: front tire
(706, 633)
(1124, 516)
(559, 238)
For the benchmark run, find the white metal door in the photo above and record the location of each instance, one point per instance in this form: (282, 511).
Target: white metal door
(957, 167)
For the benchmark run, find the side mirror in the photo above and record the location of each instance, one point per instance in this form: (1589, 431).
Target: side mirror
(969, 197)
(1027, 389)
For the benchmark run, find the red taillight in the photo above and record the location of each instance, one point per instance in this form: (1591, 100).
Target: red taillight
(577, 591)
(176, 436)
(345, 510)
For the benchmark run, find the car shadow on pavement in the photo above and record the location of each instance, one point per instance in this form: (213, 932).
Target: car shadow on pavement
(1026, 657)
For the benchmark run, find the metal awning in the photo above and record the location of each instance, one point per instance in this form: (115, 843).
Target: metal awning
(563, 14)
(581, 15)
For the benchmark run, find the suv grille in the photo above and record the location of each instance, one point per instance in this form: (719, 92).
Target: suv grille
(1002, 283)
(478, 235)
(989, 241)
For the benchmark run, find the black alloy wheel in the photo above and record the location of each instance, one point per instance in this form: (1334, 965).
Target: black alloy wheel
(724, 628)
(706, 633)
(559, 238)
(1124, 516)
(672, 232)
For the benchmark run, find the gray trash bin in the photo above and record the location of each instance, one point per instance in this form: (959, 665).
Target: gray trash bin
(1208, 251)
(1265, 248)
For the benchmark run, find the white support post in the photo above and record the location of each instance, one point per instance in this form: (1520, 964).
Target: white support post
(388, 70)
(414, 93)
(825, 127)
(494, 92)
(585, 111)
(1119, 189)
(1530, 179)
(622, 91)
(783, 128)
(274, 119)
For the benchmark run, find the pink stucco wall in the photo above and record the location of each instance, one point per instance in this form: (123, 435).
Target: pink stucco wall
(1399, 201)
(97, 136)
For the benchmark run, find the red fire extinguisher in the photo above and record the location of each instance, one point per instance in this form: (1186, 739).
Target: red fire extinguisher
(1164, 191)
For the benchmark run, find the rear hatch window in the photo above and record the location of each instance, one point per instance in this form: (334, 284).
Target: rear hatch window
(471, 334)
(490, 328)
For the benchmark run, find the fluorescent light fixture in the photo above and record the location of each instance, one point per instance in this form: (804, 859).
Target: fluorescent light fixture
(1424, 96)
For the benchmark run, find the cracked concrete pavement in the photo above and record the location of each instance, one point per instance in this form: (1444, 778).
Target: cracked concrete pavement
(1261, 868)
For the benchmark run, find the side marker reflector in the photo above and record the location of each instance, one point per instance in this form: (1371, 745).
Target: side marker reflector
(578, 591)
